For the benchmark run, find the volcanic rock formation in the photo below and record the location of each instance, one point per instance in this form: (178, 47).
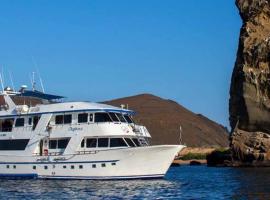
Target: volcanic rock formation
(250, 86)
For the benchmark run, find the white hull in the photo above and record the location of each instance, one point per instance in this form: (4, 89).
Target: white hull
(121, 163)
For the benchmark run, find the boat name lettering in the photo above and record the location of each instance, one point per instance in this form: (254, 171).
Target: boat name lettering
(75, 129)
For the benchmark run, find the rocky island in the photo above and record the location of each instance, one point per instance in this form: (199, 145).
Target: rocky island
(250, 87)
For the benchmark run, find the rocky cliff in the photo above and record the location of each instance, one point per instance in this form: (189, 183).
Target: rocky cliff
(250, 85)
(163, 117)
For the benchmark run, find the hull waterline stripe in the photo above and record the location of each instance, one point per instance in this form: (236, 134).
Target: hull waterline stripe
(18, 175)
(55, 162)
(105, 177)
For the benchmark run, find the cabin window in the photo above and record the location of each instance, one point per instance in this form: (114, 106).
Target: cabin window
(113, 164)
(102, 117)
(34, 167)
(91, 117)
(19, 122)
(14, 166)
(82, 143)
(64, 166)
(94, 165)
(45, 167)
(59, 119)
(136, 141)
(58, 143)
(30, 121)
(63, 119)
(72, 167)
(91, 143)
(103, 165)
(13, 145)
(114, 118)
(130, 143)
(62, 143)
(7, 166)
(117, 142)
(7, 124)
(67, 119)
(103, 142)
(80, 166)
(35, 121)
(82, 118)
(120, 117)
(52, 144)
(128, 119)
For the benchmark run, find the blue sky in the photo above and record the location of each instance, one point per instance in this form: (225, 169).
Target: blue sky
(102, 49)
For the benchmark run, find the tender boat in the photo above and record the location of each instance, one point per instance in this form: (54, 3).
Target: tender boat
(44, 137)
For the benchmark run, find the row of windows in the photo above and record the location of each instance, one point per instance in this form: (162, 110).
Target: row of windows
(13, 145)
(58, 143)
(97, 117)
(65, 167)
(109, 142)
(6, 125)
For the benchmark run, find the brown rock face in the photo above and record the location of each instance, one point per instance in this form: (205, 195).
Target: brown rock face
(250, 86)
(163, 117)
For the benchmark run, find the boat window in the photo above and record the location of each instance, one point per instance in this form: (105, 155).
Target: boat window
(120, 116)
(103, 142)
(82, 117)
(67, 119)
(91, 117)
(82, 143)
(114, 118)
(58, 143)
(130, 143)
(7, 124)
(117, 142)
(91, 143)
(35, 121)
(59, 119)
(19, 122)
(52, 144)
(62, 143)
(30, 121)
(13, 145)
(128, 119)
(136, 141)
(102, 117)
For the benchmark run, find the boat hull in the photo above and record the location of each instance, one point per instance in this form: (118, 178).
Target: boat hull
(125, 163)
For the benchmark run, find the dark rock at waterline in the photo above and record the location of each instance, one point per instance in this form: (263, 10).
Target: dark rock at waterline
(219, 158)
(195, 163)
(250, 87)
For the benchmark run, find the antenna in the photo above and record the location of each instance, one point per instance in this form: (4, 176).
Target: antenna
(11, 80)
(41, 82)
(38, 74)
(2, 75)
(2, 84)
(33, 81)
(180, 134)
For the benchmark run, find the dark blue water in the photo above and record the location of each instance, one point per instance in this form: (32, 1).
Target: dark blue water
(185, 182)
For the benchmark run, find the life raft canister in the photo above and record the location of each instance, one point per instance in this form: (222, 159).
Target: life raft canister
(45, 152)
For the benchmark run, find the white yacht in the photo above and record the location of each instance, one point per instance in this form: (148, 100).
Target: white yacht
(42, 137)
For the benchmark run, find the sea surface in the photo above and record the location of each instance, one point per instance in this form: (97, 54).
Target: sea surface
(184, 182)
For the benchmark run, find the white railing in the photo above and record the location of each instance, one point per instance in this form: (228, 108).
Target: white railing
(141, 131)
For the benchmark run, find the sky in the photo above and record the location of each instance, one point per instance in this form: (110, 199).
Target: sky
(98, 50)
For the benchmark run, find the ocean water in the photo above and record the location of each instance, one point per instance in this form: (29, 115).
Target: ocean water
(184, 182)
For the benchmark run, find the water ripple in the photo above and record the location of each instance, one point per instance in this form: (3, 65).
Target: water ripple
(186, 182)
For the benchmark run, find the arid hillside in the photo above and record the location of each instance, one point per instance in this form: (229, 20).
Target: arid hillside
(163, 118)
